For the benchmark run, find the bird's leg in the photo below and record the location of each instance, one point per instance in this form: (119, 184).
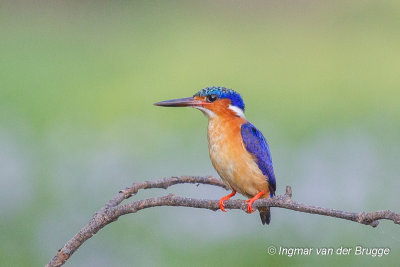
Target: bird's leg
(251, 200)
(222, 200)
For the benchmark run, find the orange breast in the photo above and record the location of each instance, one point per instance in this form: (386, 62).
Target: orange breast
(235, 165)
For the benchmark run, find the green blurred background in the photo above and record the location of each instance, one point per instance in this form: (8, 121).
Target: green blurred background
(77, 82)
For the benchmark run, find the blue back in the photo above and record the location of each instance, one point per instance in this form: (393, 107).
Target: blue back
(222, 92)
(257, 146)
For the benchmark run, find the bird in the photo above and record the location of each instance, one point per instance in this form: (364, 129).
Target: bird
(238, 150)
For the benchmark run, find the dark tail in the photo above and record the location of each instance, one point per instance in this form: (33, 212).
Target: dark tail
(265, 215)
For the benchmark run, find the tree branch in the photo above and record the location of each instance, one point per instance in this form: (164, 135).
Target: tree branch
(113, 210)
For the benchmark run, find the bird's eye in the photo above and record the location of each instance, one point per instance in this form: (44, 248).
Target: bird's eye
(211, 98)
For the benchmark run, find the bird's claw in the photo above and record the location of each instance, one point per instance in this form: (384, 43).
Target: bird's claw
(221, 205)
(251, 200)
(222, 200)
(249, 208)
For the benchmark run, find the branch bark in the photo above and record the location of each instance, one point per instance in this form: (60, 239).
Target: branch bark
(114, 209)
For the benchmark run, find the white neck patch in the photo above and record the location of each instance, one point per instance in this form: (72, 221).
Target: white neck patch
(206, 112)
(239, 112)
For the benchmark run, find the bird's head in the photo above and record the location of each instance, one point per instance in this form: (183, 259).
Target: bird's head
(212, 101)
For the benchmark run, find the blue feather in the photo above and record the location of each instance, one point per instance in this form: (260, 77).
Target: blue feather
(256, 145)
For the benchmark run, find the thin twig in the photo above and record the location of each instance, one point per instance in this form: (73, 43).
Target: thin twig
(114, 209)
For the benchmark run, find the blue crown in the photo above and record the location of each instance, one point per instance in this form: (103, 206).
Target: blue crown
(222, 92)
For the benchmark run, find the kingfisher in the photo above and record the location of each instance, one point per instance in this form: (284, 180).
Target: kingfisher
(238, 150)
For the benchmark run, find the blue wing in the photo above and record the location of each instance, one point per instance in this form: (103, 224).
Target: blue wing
(255, 143)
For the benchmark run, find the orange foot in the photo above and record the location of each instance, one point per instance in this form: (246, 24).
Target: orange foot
(251, 200)
(222, 200)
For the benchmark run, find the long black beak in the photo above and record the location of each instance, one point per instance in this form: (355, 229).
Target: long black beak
(181, 102)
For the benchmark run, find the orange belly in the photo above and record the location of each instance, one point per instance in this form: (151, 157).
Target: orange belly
(235, 165)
